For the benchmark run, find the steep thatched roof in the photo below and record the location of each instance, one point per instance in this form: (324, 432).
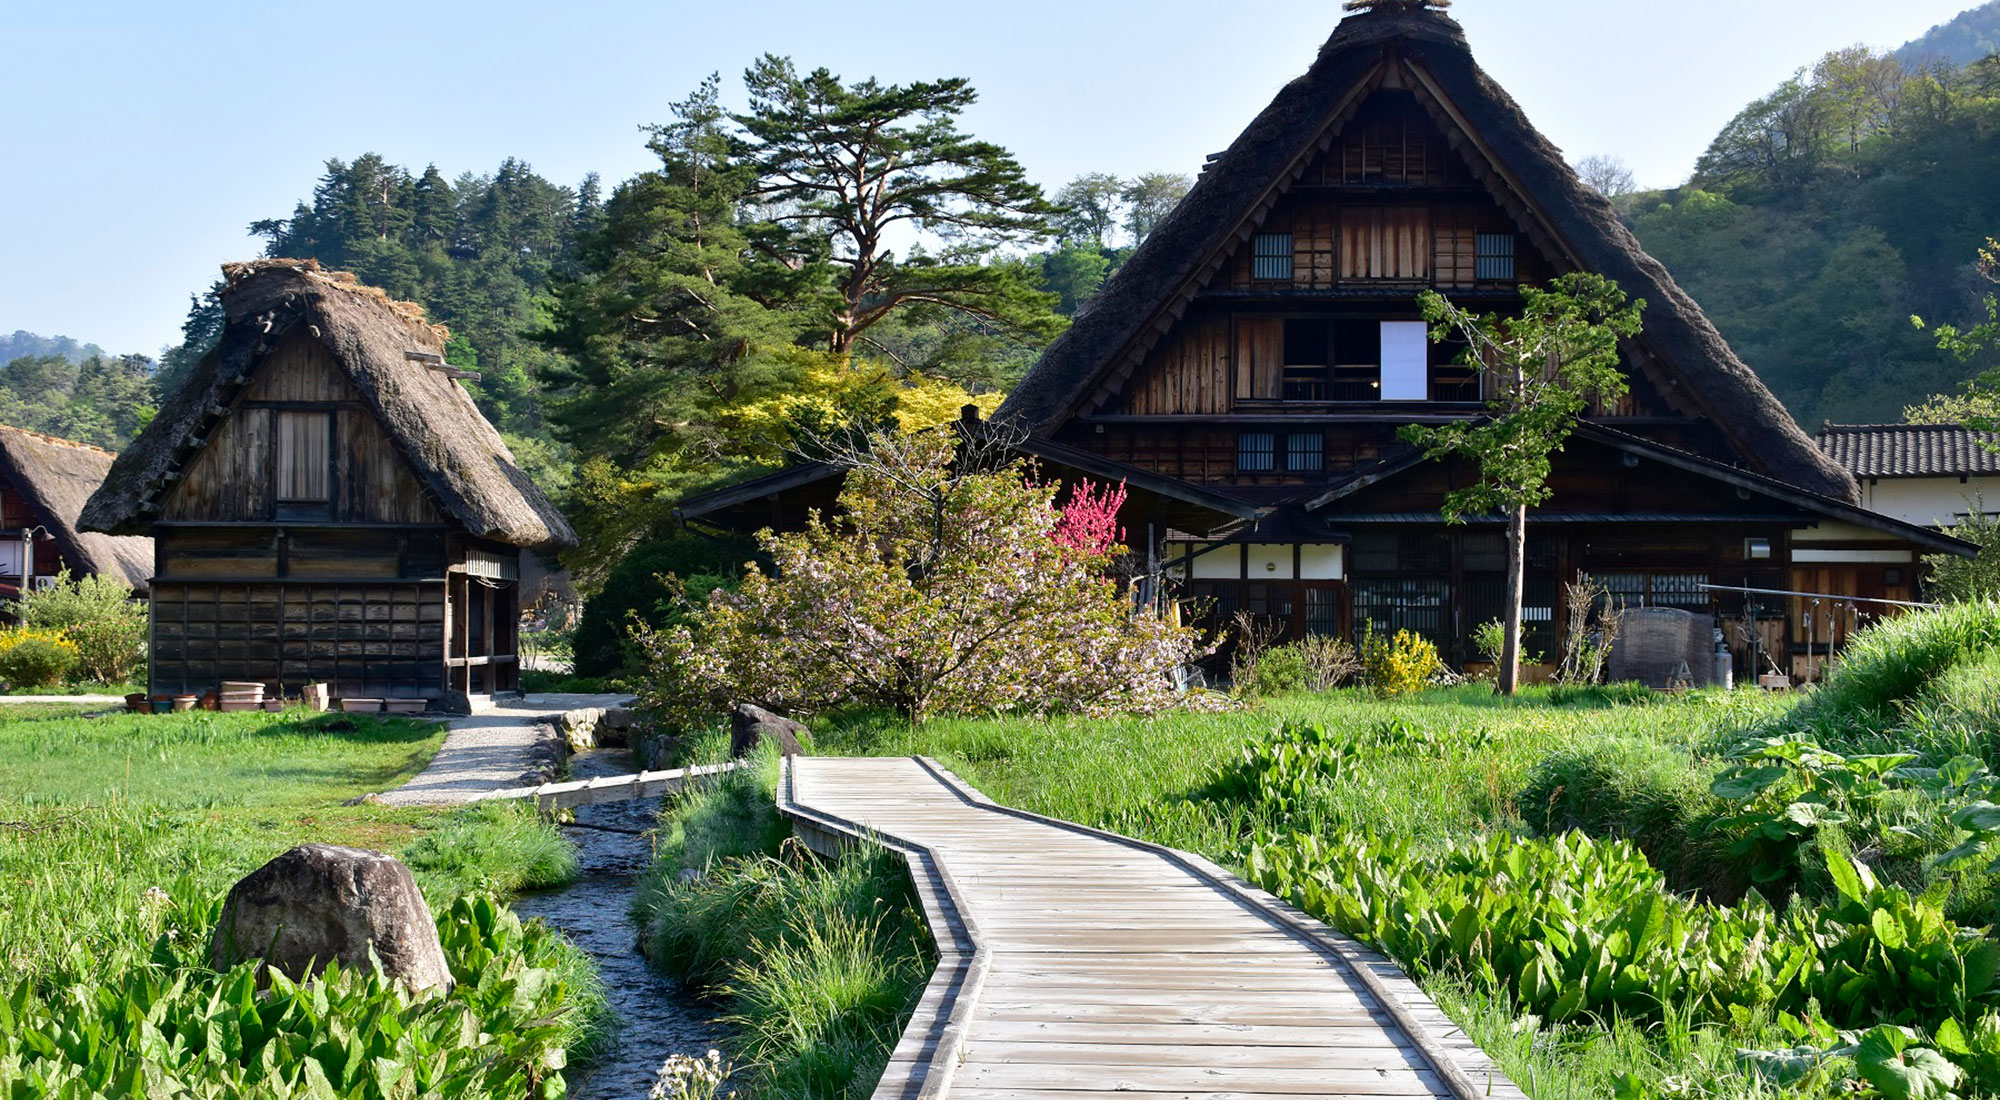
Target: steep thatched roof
(1406, 45)
(55, 477)
(454, 451)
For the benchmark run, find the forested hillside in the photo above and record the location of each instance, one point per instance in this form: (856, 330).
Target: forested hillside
(20, 343)
(1968, 37)
(1828, 213)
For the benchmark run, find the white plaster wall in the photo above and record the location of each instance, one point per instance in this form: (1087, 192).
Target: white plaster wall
(1929, 501)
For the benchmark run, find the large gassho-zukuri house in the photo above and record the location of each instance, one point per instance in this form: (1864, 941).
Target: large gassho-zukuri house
(1246, 372)
(328, 505)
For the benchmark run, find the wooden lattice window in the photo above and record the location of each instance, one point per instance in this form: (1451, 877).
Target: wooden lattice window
(1496, 257)
(1256, 452)
(1271, 257)
(1305, 452)
(304, 458)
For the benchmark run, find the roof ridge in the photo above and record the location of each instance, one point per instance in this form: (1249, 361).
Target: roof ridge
(58, 440)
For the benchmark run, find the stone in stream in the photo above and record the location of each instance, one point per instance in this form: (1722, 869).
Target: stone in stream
(749, 725)
(319, 903)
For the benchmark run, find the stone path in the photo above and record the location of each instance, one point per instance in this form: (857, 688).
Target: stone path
(509, 745)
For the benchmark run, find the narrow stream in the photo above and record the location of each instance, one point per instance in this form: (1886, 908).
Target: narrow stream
(658, 1017)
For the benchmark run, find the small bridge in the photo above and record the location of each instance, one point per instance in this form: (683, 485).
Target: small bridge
(604, 788)
(1076, 964)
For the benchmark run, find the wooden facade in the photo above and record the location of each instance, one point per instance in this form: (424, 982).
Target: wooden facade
(328, 505)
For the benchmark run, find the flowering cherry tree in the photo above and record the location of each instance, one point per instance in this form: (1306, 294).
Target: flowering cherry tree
(944, 586)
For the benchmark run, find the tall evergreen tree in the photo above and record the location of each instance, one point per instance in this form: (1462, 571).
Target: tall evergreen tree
(846, 168)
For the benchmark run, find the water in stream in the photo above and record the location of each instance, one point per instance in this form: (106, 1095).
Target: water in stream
(658, 1017)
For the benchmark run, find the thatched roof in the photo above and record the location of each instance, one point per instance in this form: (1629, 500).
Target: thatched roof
(1424, 50)
(55, 477)
(456, 454)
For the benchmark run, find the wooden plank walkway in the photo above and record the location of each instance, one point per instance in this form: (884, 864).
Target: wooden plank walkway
(1075, 964)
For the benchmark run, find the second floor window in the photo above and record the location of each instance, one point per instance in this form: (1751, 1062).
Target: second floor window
(1256, 452)
(1280, 452)
(1271, 257)
(304, 457)
(1495, 257)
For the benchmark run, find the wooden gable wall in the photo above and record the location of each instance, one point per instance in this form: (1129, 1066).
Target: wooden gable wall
(233, 478)
(1387, 210)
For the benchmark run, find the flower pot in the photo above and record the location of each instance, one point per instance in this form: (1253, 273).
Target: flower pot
(139, 703)
(318, 696)
(361, 706)
(185, 702)
(238, 706)
(242, 686)
(274, 706)
(405, 706)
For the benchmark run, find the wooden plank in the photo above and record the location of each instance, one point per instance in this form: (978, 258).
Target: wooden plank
(1115, 966)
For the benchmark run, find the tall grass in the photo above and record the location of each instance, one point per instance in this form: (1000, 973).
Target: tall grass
(120, 832)
(820, 962)
(1894, 661)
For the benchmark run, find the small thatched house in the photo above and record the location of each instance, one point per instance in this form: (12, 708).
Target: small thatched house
(1247, 374)
(44, 482)
(328, 504)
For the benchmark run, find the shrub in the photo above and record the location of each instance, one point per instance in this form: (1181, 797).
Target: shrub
(947, 585)
(1330, 662)
(1953, 578)
(602, 643)
(31, 657)
(1279, 671)
(98, 615)
(1400, 665)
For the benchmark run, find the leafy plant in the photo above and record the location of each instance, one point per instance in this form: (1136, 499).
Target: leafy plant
(33, 657)
(1400, 665)
(98, 615)
(1788, 789)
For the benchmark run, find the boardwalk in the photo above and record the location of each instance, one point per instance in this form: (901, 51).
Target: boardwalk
(1076, 965)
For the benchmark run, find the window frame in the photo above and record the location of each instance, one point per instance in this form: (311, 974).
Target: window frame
(1269, 253)
(296, 507)
(1494, 265)
(1278, 452)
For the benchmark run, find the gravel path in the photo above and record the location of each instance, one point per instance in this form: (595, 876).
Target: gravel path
(510, 745)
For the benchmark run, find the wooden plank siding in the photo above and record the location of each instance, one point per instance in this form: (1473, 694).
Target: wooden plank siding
(235, 477)
(374, 640)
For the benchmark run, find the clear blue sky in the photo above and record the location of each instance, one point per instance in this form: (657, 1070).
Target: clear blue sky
(141, 138)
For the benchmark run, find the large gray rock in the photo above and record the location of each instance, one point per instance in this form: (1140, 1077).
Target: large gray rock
(318, 903)
(750, 725)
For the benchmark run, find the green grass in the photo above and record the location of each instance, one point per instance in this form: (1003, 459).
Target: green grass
(122, 830)
(1440, 766)
(1146, 774)
(820, 962)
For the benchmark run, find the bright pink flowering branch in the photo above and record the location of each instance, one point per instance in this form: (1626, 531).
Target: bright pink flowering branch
(1089, 521)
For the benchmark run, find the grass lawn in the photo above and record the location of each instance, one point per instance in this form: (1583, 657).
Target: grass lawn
(119, 836)
(1439, 765)
(1433, 770)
